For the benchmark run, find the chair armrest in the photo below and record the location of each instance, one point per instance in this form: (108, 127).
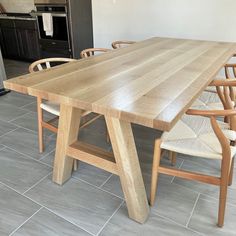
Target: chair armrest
(209, 113)
(230, 64)
(225, 82)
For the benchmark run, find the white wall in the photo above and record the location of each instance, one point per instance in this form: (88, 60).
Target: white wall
(140, 19)
(20, 6)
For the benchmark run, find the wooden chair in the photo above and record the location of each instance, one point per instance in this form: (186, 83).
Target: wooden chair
(199, 134)
(51, 107)
(120, 44)
(209, 99)
(92, 51)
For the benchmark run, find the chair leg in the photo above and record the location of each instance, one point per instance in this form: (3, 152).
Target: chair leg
(75, 165)
(225, 171)
(40, 127)
(231, 174)
(107, 137)
(173, 158)
(222, 204)
(155, 165)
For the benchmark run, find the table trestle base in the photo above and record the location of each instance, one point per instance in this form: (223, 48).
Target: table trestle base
(93, 155)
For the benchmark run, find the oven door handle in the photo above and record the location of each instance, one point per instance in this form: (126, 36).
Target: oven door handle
(34, 14)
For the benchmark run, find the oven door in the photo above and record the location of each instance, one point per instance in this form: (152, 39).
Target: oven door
(60, 27)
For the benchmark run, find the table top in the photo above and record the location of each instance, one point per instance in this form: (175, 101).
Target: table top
(152, 82)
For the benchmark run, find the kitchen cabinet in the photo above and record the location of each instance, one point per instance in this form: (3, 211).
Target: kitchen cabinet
(10, 43)
(2, 47)
(27, 37)
(29, 46)
(19, 39)
(9, 39)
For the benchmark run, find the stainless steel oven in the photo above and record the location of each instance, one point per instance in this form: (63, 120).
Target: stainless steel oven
(59, 44)
(72, 27)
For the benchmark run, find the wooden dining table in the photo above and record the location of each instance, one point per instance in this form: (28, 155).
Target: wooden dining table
(150, 83)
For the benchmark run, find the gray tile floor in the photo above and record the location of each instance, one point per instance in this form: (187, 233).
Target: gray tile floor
(91, 202)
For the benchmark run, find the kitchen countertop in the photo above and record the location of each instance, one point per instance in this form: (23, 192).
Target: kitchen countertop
(16, 16)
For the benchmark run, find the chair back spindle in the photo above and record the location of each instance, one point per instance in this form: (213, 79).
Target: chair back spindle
(47, 63)
(121, 43)
(92, 51)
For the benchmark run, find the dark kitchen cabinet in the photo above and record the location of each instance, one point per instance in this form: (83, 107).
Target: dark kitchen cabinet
(2, 46)
(55, 48)
(33, 49)
(9, 39)
(10, 43)
(28, 40)
(19, 39)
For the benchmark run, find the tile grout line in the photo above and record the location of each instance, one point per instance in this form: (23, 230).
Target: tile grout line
(25, 221)
(217, 199)
(213, 200)
(25, 155)
(191, 213)
(32, 200)
(28, 104)
(9, 121)
(232, 204)
(8, 133)
(74, 177)
(179, 169)
(118, 208)
(21, 127)
(40, 159)
(174, 222)
(30, 130)
(80, 227)
(36, 183)
(198, 164)
(105, 181)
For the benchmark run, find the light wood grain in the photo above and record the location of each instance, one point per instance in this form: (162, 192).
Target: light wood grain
(40, 127)
(127, 162)
(151, 83)
(68, 130)
(93, 155)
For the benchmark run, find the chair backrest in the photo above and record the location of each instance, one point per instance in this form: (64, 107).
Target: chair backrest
(226, 94)
(230, 72)
(47, 63)
(121, 43)
(223, 88)
(92, 51)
